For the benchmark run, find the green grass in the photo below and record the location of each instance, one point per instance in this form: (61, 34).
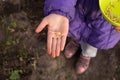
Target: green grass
(15, 75)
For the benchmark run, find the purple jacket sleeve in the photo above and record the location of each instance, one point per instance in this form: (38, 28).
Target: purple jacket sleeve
(62, 7)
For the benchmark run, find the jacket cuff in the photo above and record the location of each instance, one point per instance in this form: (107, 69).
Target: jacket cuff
(60, 12)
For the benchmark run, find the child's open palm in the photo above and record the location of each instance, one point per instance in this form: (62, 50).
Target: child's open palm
(57, 33)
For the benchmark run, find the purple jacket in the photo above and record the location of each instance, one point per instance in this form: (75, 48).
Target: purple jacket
(86, 22)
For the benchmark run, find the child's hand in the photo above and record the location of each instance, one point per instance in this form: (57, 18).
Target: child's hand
(57, 33)
(117, 29)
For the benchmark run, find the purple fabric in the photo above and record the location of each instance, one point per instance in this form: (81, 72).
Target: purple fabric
(86, 22)
(63, 7)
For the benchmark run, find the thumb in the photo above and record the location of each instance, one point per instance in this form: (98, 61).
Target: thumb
(41, 26)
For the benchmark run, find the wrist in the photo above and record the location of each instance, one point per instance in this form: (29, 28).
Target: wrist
(64, 18)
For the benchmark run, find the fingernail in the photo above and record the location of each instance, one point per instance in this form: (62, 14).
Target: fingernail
(61, 49)
(53, 56)
(36, 31)
(57, 55)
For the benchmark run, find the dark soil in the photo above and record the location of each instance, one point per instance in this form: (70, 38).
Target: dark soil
(24, 51)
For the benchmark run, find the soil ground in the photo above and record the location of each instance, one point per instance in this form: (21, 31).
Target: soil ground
(23, 52)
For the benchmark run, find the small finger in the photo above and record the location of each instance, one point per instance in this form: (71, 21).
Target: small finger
(49, 43)
(117, 29)
(58, 47)
(53, 47)
(63, 41)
